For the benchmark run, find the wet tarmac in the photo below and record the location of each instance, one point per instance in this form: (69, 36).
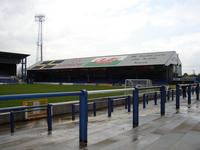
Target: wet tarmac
(174, 131)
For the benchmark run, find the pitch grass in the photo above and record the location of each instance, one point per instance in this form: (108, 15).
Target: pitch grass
(44, 88)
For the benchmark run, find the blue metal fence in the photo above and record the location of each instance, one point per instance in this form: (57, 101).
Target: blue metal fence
(83, 108)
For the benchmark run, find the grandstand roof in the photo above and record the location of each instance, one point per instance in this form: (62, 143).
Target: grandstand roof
(11, 58)
(140, 59)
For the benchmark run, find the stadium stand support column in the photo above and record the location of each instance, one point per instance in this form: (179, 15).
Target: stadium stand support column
(24, 68)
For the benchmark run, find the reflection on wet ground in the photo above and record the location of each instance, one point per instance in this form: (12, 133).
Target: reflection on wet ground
(174, 131)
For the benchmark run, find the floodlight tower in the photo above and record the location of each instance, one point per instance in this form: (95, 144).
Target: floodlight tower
(40, 18)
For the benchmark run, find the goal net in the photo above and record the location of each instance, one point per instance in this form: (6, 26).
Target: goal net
(131, 83)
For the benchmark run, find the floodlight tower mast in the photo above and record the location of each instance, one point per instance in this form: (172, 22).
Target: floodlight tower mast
(40, 18)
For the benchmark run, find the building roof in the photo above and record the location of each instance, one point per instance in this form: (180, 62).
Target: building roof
(141, 59)
(11, 58)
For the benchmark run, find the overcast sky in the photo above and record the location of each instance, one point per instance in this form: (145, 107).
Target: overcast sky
(82, 28)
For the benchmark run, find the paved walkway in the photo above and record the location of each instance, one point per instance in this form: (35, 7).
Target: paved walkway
(174, 131)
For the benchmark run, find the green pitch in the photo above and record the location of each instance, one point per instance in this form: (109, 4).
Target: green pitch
(43, 88)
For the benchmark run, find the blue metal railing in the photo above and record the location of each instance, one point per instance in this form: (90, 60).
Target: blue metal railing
(38, 95)
(20, 108)
(83, 110)
(109, 101)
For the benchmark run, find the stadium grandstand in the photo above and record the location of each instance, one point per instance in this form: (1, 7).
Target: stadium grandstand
(159, 67)
(8, 66)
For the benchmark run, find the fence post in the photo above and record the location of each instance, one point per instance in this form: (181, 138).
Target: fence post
(155, 98)
(147, 99)
(172, 95)
(73, 112)
(135, 107)
(83, 113)
(144, 101)
(189, 94)
(162, 100)
(180, 92)
(197, 91)
(193, 90)
(112, 105)
(12, 122)
(184, 91)
(49, 117)
(109, 107)
(94, 108)
(129, 103)
(125, 104)
(177, 96)
(168, 95)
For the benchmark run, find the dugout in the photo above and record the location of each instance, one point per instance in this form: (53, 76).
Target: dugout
(8, 65)
(160, 67)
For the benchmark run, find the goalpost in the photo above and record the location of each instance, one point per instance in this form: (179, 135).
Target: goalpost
(131, 83)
